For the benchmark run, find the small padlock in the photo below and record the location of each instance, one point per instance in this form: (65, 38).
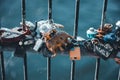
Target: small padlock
(38, 45)
(110, 38)
(91, 33)
(75, 53)
(118, 54)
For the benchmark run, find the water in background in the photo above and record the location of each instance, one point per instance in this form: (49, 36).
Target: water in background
(63, 12)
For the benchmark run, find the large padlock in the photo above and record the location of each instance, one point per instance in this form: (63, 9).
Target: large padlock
(104, 50)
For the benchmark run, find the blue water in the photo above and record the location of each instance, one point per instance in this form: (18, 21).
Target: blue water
(63, 12)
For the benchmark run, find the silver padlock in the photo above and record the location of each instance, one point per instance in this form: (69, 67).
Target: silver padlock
(118, 54)
(38, 45)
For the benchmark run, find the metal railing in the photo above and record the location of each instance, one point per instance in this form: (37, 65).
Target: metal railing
(72, 74)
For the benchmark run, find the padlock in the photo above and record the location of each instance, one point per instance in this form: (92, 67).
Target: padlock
(110, 37)
(20, 51)
(104, 50)
(118, 54)
(75, 53)
(91, 33)
(38, 45)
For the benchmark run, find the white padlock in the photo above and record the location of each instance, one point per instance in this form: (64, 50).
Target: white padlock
(38, 45)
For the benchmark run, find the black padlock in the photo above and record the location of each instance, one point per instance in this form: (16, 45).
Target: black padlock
(104, 50)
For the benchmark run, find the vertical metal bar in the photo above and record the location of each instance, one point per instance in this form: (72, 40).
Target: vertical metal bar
(119, 74)
(48, 58)
(23, 26)
(102, 24)
(50, 10)
(48, 68)
(0, 23)
(25, 67)
(76, 18)
(72, 77)
(97, 69)
(2, 65)
(104, 12)
(2, 60)
(23, 13)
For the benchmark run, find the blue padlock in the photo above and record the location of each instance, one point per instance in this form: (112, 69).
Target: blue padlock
(91, 33)
(110, 37)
